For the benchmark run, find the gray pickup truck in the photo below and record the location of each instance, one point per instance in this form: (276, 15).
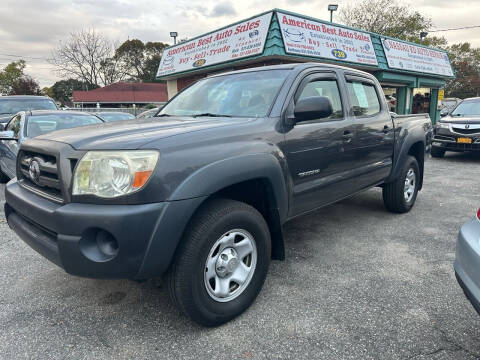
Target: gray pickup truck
(200, 192)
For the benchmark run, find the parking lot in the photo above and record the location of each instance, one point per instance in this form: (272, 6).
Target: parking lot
(358, 283)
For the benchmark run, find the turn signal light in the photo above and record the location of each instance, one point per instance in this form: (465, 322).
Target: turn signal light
(141, 178)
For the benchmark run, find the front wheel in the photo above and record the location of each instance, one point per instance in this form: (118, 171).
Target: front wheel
(399, 196)
(222, 262)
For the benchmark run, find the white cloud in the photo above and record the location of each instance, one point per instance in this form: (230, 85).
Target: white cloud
(34, 28)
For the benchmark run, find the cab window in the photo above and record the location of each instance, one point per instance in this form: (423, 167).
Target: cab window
(327, 88)
(363, 98)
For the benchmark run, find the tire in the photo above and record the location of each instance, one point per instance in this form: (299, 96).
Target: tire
(436, 152)
(216, 228)
(396, 197)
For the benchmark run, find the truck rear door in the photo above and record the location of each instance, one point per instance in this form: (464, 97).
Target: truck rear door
(374, 139)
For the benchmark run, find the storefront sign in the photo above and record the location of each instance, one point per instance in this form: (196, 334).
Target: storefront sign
(312, 38)
(441, 94)
(404, 56)
(235, 42)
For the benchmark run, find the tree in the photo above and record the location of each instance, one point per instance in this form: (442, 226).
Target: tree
(86, 55)
(10, 75)
(25, 85)
(62, 90)
(139, 61)
(466, 63)
(390, 18)
(47, 91)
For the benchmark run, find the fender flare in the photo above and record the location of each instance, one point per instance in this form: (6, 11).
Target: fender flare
(403, 152)
(221, 174)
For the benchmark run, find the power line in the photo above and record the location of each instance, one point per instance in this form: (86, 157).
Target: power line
(460, 28)
(26, 57)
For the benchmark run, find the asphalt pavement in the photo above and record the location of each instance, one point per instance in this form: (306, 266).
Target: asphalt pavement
(357, 283)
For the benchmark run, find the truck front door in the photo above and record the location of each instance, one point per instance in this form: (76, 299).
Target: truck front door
(319, 152)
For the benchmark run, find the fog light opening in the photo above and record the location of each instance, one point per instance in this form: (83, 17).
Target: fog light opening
(107, 243)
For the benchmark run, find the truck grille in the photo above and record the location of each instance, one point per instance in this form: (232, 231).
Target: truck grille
(39, 173)
(465, 131)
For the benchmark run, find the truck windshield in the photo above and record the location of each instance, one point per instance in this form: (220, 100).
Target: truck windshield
(249, 94)
(12, 106)
(467, 108)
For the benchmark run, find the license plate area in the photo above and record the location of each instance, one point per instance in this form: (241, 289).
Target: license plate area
(464, 140)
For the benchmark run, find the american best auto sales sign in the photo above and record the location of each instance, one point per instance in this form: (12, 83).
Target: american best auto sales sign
(401, 55)
(312, 38)
(235, 42)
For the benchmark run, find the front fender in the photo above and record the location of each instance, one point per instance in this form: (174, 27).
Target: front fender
(221, 174)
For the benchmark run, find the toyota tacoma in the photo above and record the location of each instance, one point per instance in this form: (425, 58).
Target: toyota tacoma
(200, 192)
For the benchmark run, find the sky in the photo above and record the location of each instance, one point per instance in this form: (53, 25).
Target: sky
(33, 28)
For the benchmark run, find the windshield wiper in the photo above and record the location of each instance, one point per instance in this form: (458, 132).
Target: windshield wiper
(207, 114)
(163, 115)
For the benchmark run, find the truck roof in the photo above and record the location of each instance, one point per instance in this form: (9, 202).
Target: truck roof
(296, 66)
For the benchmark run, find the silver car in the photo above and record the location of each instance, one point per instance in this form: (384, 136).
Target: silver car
(467, 260)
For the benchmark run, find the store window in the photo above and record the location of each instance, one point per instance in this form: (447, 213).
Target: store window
(391, 95)
(421, 100)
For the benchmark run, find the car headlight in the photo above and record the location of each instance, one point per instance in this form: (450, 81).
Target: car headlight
(442, 125)
(110, 174)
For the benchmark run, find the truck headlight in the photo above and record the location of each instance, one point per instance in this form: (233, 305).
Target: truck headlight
(441, 125)
(110, 174)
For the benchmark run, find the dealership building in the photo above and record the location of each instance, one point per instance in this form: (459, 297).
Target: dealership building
(412, 76)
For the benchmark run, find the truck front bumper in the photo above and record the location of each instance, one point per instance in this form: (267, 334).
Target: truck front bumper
(99, 241)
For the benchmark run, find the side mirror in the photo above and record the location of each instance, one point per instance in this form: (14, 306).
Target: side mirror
(7, 135)
(311, 108)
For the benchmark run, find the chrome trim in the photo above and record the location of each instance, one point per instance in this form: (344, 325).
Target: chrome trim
(463, 127)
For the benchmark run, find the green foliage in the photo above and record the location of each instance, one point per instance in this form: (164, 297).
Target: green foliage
(62, 90)
(390, 18)
(25, 85)
(139, 61)
(10, 75)
(465, 60)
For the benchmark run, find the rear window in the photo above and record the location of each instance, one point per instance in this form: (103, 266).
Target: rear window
(363, 98)
(12, 106)
(42, 124)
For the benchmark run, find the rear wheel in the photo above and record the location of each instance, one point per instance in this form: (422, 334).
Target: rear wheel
(222, 262)
(399, 196)
(437, 152)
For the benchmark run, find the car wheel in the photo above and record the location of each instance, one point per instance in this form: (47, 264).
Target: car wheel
(437, 152)
(221, 263)
(399, 196)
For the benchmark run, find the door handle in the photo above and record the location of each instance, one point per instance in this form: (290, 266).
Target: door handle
(347, 136)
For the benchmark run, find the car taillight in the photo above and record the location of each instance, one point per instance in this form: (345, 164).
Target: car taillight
(478, 214)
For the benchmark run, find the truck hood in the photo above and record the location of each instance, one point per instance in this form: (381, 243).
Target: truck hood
(132, 134)
(461, 119)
